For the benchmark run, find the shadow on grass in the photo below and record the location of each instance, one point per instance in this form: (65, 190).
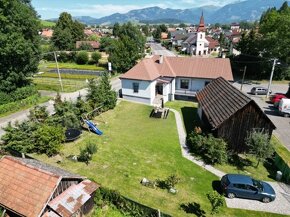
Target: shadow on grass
(193, 208)
(270, 166)
(239, 162)
(216, 185)
(190, 118)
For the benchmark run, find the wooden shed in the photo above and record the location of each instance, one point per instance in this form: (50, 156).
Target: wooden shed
(230, 114)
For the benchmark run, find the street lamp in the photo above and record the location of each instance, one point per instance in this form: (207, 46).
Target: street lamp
(59, 77)
(271, 77)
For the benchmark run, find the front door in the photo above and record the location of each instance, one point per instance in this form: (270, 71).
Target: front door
(159, 89)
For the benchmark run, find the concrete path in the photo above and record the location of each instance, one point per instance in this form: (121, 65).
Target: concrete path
(184, 150)
(280, 205)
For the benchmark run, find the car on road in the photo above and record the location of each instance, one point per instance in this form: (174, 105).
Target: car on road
(260, 91)
(284, 107)
(275, 99)
(236, 185)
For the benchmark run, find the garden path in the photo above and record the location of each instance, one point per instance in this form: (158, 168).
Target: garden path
(184, 150)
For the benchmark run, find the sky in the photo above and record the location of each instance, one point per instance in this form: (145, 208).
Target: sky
(99, 8)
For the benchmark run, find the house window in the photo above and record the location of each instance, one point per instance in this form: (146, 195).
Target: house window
(184, 83)
(200, 36)
(135, 87)
(204, 52)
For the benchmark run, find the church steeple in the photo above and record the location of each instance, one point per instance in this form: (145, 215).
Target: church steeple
(201, 27)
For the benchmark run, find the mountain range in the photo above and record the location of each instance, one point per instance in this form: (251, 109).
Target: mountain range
(248, 10)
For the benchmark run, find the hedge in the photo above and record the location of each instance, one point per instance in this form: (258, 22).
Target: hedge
(125, 205)
(283, 167)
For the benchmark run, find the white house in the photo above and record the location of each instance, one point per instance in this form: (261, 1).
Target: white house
(170, 78)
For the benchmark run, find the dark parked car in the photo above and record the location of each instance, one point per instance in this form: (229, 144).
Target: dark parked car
(236, 185)
(260, 91)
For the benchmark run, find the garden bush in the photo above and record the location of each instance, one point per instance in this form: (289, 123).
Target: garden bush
(18, 94)
(82, 57)
(87, 153)
(216, 200)
(212, 150)
(96, 56)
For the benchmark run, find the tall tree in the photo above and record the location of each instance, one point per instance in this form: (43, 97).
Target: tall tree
(67, 32)
(127, 48)
(19, 43)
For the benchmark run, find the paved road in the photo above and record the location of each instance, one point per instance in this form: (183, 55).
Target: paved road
(282, 123)
(157, 49)
(22, 115)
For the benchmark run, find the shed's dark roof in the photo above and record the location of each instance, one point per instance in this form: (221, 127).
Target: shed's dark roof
(52, 169)
(220, 100)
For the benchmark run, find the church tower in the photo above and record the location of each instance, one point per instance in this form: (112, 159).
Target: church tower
(201, 41)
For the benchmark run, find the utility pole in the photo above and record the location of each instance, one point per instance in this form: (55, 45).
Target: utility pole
(245, 69)
(271, 77)
(59, 77)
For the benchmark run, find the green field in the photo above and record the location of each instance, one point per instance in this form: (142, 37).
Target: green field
(43, 66)
(53, 84)
(45, 23)
(135, 146)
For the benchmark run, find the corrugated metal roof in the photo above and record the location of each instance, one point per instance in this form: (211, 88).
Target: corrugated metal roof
(71, 200)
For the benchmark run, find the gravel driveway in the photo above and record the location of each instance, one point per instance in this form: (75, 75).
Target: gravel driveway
(280, 205)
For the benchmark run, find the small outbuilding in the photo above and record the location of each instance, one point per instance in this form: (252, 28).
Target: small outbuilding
(31, 188)
(230, 114)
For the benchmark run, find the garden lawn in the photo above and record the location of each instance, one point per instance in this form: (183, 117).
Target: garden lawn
(135, 146)
(51, 65)
(53, 84)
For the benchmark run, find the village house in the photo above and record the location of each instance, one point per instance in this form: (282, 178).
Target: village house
(230, 114)
(46, 33)
(95, 45)
(165, 78)
(31, 188)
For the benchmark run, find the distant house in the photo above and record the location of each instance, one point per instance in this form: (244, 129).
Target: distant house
(235, 26)
(95, 45)
(164, 35)
(46, 33)
(230, 114)
(31, 188)
(167, 78)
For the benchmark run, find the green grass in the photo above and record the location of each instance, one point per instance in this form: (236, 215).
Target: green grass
(52, 65)
(17, 106)
(281, 150)
(108, 212)
(135, 146)
(65, 76)
(188, 111)
(53, 84)
(45, 23)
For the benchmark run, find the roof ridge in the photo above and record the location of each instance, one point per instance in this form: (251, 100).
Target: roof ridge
(169, 65)
(30, 166)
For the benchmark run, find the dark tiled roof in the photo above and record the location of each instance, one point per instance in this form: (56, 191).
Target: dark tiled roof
(220, 100)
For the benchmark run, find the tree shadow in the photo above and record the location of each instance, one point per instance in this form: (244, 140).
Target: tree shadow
(239, 162)
(270, 166)
(190, 118)
(161, 184)
(193, 208)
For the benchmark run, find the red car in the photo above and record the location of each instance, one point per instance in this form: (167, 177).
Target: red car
(276, 98)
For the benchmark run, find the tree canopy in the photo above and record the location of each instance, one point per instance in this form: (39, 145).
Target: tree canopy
(127, 48)
(20, 43)
(67, 32)
(271, 40)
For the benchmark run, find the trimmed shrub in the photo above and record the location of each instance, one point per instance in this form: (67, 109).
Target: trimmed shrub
(87, 153)
(82, 57)
(212, 150)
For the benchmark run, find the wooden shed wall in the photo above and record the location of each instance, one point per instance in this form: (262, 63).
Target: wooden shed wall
(239, 125)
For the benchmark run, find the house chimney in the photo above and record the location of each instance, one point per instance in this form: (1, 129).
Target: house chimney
(22, 155)
(161, 59)
(223, 55)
